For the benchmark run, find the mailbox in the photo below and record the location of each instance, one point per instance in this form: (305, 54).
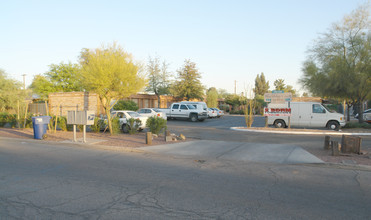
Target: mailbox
(80, 117)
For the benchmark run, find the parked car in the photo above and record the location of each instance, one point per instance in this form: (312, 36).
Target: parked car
(211, 113)
(364, 113)
(152, 112)
(124, 116)
(219, 112)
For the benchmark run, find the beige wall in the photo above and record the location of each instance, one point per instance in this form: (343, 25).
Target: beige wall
(62, 102)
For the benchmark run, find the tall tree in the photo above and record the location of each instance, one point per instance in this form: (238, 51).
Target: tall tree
(339, 63)
(111, 73)
(63, 77)
(212, 97)
(159, 78)
(279, 84)
(261, 86)
(10, 92)
(222, 93)
(188, 84)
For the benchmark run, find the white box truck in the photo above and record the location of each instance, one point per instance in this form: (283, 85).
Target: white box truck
(307, 114)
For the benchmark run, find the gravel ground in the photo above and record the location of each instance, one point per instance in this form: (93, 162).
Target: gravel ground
(138, 140)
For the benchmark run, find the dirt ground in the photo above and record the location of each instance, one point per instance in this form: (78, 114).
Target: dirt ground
(139, 140)
(122, 140)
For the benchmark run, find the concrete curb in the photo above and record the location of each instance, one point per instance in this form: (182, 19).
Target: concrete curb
(298, 132)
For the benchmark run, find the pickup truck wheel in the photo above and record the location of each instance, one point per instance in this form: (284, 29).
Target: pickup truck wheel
(279, 123)
(124, 128)
(194, 117)
(333, 125)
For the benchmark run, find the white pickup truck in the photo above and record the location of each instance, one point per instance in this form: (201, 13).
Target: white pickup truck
(186, 111)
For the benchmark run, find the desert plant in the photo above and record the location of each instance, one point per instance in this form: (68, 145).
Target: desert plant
(156, 124)
(133, 125)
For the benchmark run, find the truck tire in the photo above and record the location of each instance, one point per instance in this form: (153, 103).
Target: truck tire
(333, 125)
(279, 123)
(194, 117)
(124, 128)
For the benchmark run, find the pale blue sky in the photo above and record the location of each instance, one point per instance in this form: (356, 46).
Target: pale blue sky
(228, 40)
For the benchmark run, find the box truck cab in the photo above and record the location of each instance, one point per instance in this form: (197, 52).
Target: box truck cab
(307, 114)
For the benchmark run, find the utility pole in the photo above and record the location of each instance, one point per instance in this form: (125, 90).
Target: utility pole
(24, 81)
(235, 87)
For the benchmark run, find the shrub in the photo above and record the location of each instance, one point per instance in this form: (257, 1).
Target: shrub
(8, 118)
(126, 105)
(115, 125)
(156, 124)
(96, 126)
(237, 112)
(133, 125)
(62, 123)
(357, 125)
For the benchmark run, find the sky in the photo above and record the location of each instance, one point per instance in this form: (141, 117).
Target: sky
(230, 41)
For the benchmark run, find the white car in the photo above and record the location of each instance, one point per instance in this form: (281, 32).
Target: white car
(125, 115)
(152, 112)
(211, 113)
(219, 112)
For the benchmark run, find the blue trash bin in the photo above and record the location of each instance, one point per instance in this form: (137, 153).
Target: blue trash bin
(40, 125)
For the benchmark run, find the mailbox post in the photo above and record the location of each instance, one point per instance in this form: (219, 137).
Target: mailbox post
(80, 118)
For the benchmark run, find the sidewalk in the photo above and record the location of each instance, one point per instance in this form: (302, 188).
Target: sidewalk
(300, 131)
(239, 151)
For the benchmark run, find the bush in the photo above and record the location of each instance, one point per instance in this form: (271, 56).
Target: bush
(126, 105)
(62, 123)
(357, 125)
(156, 124)
(8, 118)
(237, 112)
(115, 125)
(133, 125)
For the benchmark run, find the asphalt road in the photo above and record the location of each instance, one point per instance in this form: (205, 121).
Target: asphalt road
(54, 181)
(218, 129)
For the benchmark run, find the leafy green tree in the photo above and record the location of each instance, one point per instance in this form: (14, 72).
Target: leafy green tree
(110, 72)
(126, 105)
(339, 63)
(158, 75)
(188, 85)
(212, 97)
(63, 77)
(261, 86)
(10, 92)
(42, 86)
(235, 100)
